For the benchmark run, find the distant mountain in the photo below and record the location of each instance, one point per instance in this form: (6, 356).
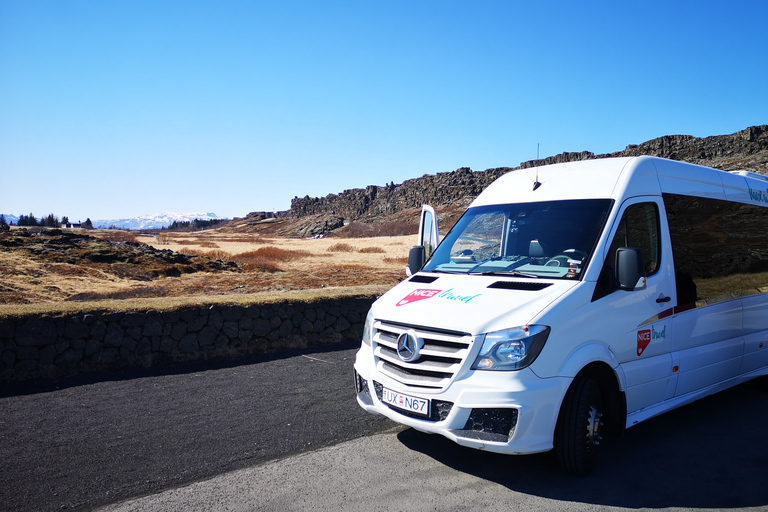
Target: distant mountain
(11, 219)
(155, 221)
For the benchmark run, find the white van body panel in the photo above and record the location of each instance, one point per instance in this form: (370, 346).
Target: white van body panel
(659, 349)
(574, 180)
(688, 179)
(452, 303)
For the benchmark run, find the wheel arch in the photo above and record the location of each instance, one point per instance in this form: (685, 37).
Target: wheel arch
(614, 399)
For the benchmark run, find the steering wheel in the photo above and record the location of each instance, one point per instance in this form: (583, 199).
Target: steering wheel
(561, 260)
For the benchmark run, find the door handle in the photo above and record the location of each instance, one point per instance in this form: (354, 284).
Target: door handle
(663, 299)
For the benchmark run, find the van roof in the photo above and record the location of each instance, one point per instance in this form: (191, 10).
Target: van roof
(620, 178)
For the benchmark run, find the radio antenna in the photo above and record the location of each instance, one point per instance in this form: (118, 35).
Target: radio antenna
(536, 183)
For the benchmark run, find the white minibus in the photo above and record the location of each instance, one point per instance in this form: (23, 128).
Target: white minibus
(571, 301)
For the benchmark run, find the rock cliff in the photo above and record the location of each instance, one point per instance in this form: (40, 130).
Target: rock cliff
(747, 149)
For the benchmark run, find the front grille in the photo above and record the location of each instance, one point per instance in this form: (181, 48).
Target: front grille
(440, 358)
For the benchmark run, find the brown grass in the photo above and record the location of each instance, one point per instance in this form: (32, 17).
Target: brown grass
(114, 235)
(246, 240)
(261, 265)
(212, 255)
(263, 259)
(276, 253)
(399, 261)
(284, 264)
(372, 250)
(358, 229)
(132, 293)
(340, 247)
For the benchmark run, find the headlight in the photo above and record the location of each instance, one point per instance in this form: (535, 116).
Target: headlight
(368, 328)
(511, 349)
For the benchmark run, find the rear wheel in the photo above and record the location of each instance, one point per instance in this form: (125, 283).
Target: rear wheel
(579, 427)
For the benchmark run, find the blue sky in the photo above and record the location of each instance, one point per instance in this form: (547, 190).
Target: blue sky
(119, 108)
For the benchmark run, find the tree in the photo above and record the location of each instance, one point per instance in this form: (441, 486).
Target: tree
(87, 224)
(3, 223)
(65, 220)
(50, 221)
(27, 220)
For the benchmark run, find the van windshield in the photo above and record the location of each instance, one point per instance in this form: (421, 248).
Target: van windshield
(553, 239)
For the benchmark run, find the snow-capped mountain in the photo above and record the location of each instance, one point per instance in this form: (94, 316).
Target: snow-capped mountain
(155, 221)
(11, 219)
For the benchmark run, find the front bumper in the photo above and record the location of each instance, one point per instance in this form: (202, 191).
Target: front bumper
(511, 412)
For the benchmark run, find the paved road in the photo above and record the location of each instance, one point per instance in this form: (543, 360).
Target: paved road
(83, 442)
(265, 434)
(709, 456)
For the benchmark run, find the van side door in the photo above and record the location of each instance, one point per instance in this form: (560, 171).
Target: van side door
(638, 319)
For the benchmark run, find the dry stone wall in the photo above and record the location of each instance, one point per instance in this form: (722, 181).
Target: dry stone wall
(34, 347)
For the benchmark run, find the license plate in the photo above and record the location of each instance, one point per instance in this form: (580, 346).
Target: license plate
(406, 402)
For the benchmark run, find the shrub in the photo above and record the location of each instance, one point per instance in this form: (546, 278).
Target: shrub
(209, 244)
(372, 250)
(400, 261)
(263, 259)
(211, 255)
(113, 235)
(271, 253)
(218, 255)
(340, 247)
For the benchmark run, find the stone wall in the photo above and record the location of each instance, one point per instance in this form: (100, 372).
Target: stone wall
(36, 346)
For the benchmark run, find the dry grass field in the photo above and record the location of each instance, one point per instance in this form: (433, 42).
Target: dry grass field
(264, 266)
(270, 264)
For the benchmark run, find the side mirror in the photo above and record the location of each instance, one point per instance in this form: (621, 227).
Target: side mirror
(629, 268)
(416, 259)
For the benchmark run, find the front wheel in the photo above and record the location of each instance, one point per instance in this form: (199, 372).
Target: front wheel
(579, 427)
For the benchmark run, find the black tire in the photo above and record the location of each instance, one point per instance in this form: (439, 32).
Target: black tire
(579, 427)
(761, 384)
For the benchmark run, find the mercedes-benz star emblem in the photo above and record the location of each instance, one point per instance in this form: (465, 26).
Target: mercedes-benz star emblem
(409, 346)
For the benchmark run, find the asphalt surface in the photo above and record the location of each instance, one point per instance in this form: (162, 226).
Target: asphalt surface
(709, 456)
(82, 442)
(283, 432)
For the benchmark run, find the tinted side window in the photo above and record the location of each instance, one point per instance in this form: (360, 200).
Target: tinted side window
(638, 227)
(720, 248)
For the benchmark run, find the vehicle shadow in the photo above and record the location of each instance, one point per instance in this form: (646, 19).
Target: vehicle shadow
(707, 455)
(165, 368)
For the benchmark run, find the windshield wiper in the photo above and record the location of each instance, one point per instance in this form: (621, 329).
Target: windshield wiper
(515, 273)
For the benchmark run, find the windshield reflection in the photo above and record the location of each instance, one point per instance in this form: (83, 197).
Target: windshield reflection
(553, 239)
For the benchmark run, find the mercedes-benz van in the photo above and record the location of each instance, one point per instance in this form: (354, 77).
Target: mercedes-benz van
(572, 301)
